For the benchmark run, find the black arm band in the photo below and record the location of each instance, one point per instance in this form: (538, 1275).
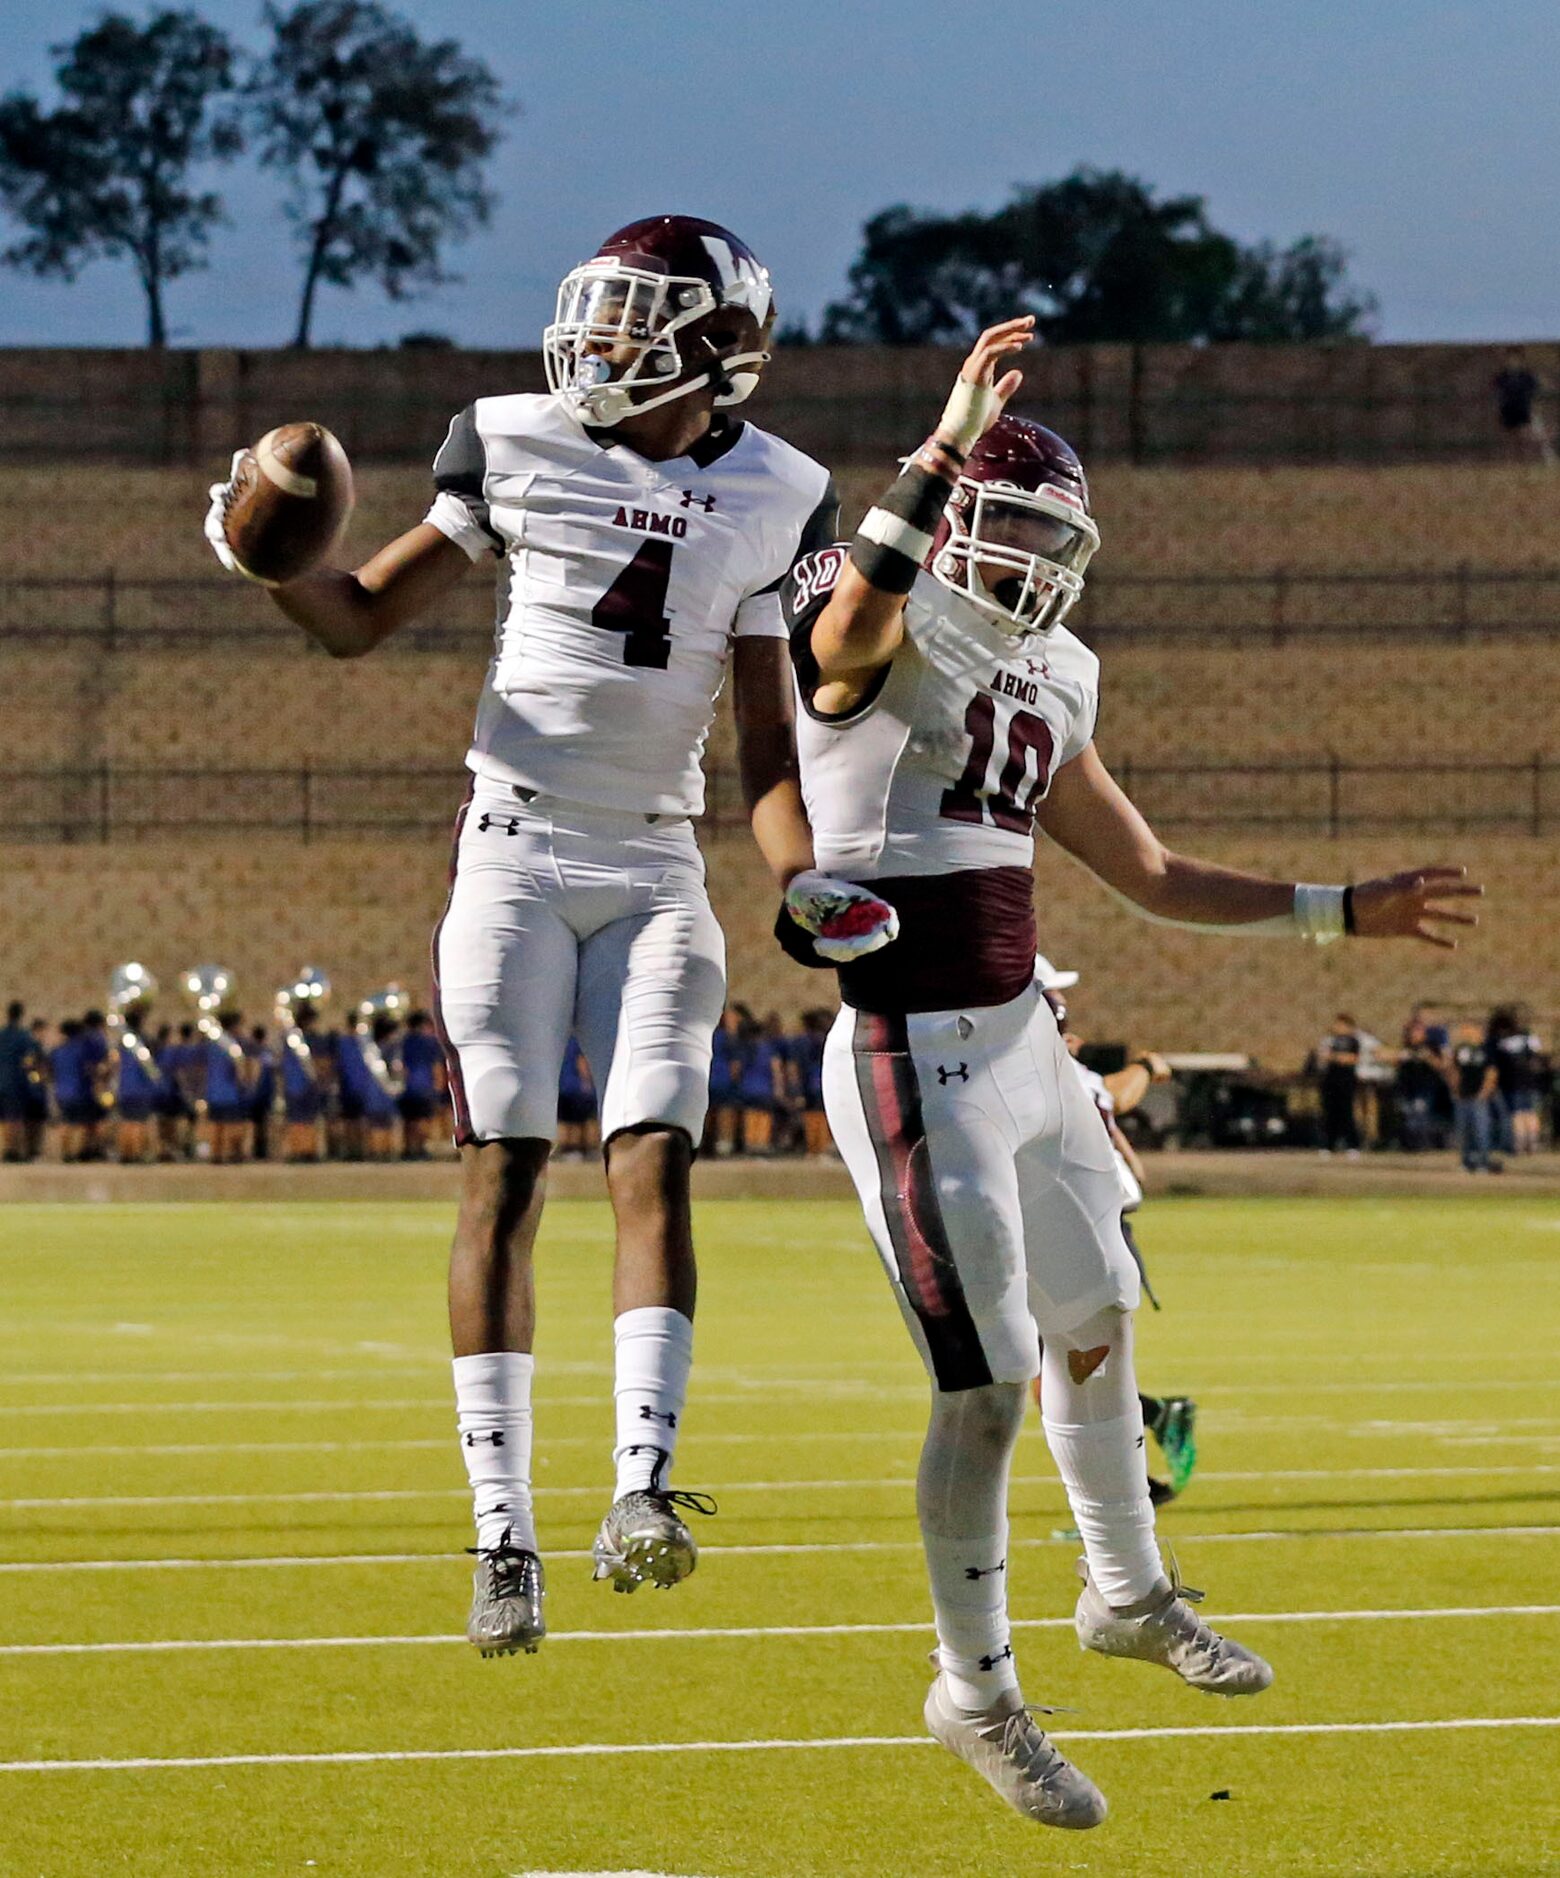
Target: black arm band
(893, 542)
(918, 497)
(886, 569)
(1348, 911)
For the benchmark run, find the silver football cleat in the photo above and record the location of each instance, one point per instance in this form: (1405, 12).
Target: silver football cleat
(1164, 1629)
(1008, 1748)
(644, 1541)
(506, 1603)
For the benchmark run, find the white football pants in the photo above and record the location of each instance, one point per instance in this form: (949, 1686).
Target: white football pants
(987, 1179)
(564, 919)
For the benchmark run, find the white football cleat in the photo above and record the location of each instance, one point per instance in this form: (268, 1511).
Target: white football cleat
(1008, 1748)
(1164, 1629)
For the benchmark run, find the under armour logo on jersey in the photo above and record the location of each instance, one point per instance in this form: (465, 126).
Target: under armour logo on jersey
(975, 1572)
(960, 1072)
(474, 1440)
(648, 1414)
(509, 823)
(1004, 1655)
(692, 496)
(1042, 670)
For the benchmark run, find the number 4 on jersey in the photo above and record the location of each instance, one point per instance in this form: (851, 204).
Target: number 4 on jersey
(1012, 803)
(635, 605)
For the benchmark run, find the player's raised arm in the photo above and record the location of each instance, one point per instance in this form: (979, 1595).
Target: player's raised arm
(1086, 812)
(285, 504)
(351, 613)
(862, 626)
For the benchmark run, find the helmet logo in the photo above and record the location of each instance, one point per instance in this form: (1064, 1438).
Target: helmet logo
(740, 281)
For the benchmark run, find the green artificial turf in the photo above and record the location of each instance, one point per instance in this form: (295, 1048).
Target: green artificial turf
(1380, 1431)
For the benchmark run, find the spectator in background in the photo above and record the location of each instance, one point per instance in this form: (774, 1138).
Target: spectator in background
(137, 1085)
(226, 1088)
(1516, 392)
(262, 1091)
(35, 1106)
(96, 1050)
(422, 1072)
(189, 1073)
(764, 1093)
(1520, 1069)
(1421, 1087)
(175, 1118)
(1475, 1083)
(1431, 1029)
(1338, 1065)
(723, 1129)
(807, 1055)
(576, 1103)
(382, 1060)
(304, 1073)
(71, 1080)
(18, 1048)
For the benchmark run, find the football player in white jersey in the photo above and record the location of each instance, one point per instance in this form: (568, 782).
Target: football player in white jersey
(948, 710)
(639, 533)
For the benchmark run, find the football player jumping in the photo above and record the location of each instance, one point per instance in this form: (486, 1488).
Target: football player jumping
(948, 711)
(641, 533)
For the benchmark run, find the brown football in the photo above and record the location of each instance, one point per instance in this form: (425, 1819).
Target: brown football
(291, 499)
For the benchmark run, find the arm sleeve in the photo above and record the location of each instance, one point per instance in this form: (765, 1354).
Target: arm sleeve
(460, 510)
(762, 614)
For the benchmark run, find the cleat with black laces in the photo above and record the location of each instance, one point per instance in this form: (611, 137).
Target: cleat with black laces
(1163, 1628)
(1007, 1747)
(508, 1587)
(644, 1540)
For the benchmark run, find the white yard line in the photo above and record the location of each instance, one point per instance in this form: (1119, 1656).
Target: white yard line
(362, 1757)
(348, 1496)
(1188, 1539)
(741, 1631)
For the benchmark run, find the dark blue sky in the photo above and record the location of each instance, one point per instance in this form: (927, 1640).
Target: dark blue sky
(1421, 133)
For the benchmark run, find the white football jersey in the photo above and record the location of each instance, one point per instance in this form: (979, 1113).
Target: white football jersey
(941, 767)
(623, 586)
(1105, 1102)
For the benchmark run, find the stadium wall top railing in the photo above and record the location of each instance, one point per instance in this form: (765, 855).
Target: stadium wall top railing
(1349, 403)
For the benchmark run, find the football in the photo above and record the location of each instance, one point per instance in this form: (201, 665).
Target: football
(292, 495)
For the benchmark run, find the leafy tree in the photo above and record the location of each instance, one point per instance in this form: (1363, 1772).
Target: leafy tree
(107, 173)
(1096, 257)
(381, 136)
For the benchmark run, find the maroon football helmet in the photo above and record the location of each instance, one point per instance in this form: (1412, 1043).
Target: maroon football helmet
(1017, 533)
(664, 306)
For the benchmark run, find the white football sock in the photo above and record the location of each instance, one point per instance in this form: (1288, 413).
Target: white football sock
(653, 1353)
(493, 1410)
(1094, 1429)
(961, 1502)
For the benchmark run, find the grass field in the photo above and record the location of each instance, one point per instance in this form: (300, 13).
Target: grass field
(231, 1516)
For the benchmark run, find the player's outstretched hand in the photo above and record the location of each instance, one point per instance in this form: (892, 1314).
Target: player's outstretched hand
(1158, 1069)
(1409, 906)
(979, 396)
(846, 921)
(988, 352)
(216, 515)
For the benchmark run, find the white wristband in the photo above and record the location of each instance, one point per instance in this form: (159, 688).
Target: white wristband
(968, 413)
(1318, 912)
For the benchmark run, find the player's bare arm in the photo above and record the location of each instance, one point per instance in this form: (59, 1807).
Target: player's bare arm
(1087, 813)
(349, 613)
(1130, 1084)
(766, 756)
(862, 627)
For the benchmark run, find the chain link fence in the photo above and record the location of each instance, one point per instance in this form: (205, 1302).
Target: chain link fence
(1271, 606)
(1328, 796)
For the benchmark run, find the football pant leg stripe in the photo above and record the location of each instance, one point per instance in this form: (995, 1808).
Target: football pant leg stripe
(891, 1102)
